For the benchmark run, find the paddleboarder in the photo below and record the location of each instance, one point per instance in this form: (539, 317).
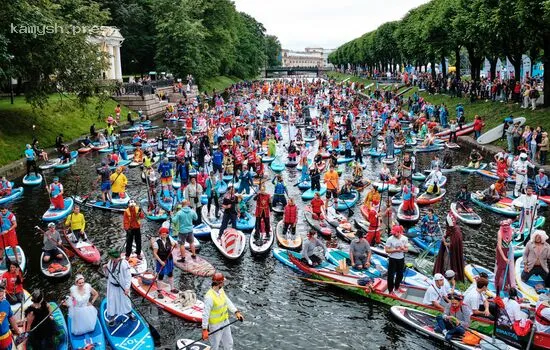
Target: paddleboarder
(77, 224)
(132, 225)
(39, 321)
(455, 318)
(359, 252)
(279, 191)
(183, 220)
(215, 316)
(290, 217)
(8, 320)
(262, 213)
(119, 181)
(396, 247)
(56, 194)
(310, 249)
(164, 260)
(520, 167)
(104, 178)
(528, 203)
(82, 313)
(13, 279)
(51, 241)
(8, 235)
(118, 288)
(30, 156)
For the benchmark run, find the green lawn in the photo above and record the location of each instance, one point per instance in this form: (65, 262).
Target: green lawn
(492, 113)
(219, 83)
(59, 116)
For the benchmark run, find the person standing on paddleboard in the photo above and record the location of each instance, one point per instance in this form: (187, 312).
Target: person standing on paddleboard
(217, 307)
(183, 220)
(164, 264)
(396, 247)
(56, 194)
(132, 226)
(8, 319)
(8, 236)
(118, 288)
(263, 201)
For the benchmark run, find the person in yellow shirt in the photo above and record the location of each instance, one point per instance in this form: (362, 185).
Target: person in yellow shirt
(76, 222)
(331, 180)
(118, 183)
(372, 199)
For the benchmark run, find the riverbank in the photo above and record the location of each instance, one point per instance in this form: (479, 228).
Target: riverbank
(493, 113)
(219, 83)
(60, 115)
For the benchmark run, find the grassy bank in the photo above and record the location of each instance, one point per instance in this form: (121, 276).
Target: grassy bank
(219, 83)
(492, 113)
(59, 116)
(341, 76)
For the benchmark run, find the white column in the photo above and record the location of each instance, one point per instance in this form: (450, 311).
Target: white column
(118, 66)
(111, 51)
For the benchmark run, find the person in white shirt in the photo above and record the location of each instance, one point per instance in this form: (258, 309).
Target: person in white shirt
(449, 284)
(477, 300)
(528, 204)
(513, 308)
(520, 167)
(435, 294)
(396, 247)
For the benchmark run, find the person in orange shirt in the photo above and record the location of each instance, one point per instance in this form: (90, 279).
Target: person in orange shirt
(331, 180)
(500, 187)
(138, 154)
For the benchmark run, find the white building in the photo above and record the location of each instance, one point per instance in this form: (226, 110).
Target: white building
(310, 57)
(109, 40)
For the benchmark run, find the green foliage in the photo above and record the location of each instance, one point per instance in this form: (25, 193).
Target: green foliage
(273, 51)
(56, 55)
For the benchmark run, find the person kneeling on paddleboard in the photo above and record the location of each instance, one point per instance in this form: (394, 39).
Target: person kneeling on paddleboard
(359, 252)
(215, 315)
(309, 251)
(317, 207)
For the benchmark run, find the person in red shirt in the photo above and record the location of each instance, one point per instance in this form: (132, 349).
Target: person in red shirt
(13, 282)
(263, 203)
(290, 217)
(373, 235)
(318, 207)
(478, 125)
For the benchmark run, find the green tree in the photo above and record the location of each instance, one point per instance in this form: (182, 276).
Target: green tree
(273, 50)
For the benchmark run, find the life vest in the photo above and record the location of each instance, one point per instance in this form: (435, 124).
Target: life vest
(164, 249)
(147, 162)
(218, 313)
(539, 318)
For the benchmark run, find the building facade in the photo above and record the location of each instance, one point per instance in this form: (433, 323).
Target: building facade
(310, 57)
(110, 40)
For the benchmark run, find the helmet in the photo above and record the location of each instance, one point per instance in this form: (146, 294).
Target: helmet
(523, 156)
(218, 277)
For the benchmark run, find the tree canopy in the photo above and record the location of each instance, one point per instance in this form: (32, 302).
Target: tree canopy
(489, 29)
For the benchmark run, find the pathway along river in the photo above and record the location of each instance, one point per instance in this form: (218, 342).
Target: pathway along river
(281, 311)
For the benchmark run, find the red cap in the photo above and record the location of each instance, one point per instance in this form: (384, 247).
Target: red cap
(218, 277)
(164, 230)
(397, 229)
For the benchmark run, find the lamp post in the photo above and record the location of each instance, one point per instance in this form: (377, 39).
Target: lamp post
(10, 57)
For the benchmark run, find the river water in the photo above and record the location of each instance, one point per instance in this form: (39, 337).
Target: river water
(281, 311)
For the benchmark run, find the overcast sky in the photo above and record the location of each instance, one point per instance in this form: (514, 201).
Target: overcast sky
(322, 23)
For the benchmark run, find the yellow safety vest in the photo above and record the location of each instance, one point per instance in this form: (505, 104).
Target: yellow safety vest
(147, 162)
(218, 313)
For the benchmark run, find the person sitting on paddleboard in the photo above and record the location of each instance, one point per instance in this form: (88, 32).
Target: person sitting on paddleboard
(317, 207)
(455, 318)
(51, 241)
(463, 198)
(5, 187)
(432, 182)
(490, 195)
(430, 223)
(435, 294)
(309, 252)
(359, 252)
(475, 159)
(476, 299)
(345, 191)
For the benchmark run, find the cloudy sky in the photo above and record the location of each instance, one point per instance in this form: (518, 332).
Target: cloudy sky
(322, 23)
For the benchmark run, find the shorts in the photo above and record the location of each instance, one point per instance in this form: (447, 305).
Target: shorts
(166, 180)
(8, 240)
(185, 237)
(168, 269)
(51, 253)
(105, 186)
(360, 260)
(332, 193)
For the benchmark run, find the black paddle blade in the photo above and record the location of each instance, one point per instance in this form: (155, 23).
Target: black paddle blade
(155, 334)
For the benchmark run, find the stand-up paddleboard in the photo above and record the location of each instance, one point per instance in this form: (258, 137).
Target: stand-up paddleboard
(262, 244)
(126, 334)
(58, 214)
(137, 266)
(11, 256)
(56, 268)
(426, 198)
(86, 250)
(183, 344)
(309, 194)
(496, 132)
(197, 266)
(405, 217)
(15, 193)
(95, 338)
(466, 215)
(232, 243)
(209, 218)
(286, 239)
(32, 179)
(181, 304)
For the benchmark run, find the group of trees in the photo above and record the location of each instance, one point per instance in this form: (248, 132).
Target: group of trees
(489, 29)
(204, 38)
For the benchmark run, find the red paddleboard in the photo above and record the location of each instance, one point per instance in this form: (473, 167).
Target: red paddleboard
(87, 251)
(197, 266)
(82, 150)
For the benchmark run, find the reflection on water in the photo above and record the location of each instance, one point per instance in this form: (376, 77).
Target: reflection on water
(281, 311)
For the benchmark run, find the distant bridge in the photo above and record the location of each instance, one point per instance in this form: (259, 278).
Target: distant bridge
(295, 70)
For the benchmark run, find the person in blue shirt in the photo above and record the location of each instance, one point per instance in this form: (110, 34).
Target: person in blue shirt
(245, 180)
(541, 183)
(348, 148)
(165, 171)
(279, 191)
(217, 161)
(30, 155)
(212, 192)
(122, 150)
(429, 224)
(7, 320)
(390, 147)
(443, 116)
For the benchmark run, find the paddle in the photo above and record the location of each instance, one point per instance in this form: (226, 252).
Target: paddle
(533, 218)
(94, 188)
(350, 212)
(161, 268)
(154, 333)
(47, 187)
(210, 333)
(23, 336)
(63, 248)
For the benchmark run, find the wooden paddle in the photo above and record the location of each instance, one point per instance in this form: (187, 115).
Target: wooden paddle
(69, 253)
